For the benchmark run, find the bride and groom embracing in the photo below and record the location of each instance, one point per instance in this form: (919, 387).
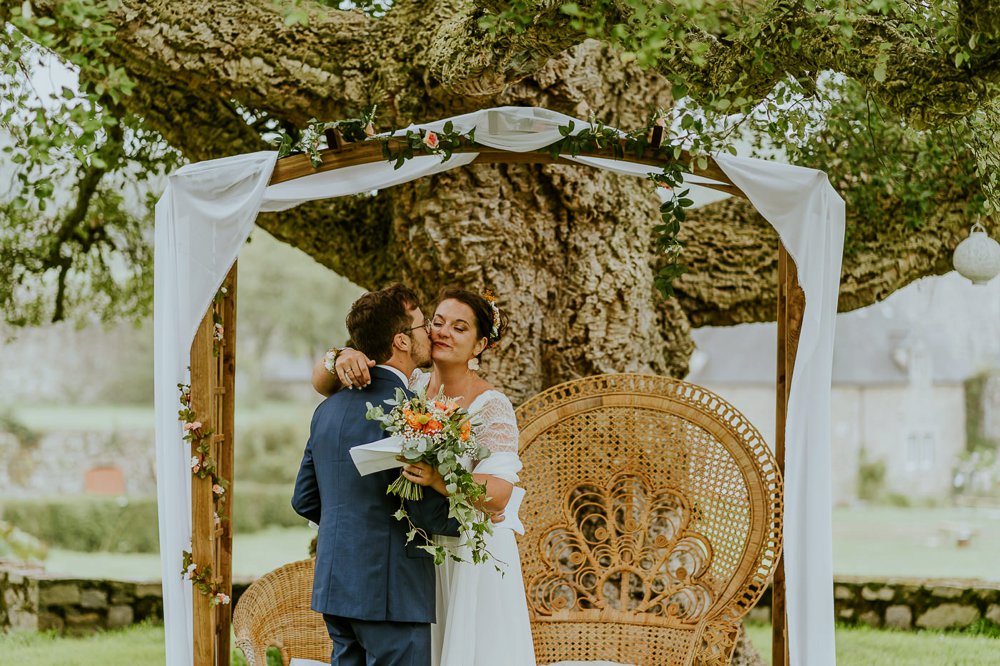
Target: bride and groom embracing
(383, 600)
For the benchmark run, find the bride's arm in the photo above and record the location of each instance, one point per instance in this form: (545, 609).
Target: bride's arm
(497, 490)
(497, 493)
(348, 360)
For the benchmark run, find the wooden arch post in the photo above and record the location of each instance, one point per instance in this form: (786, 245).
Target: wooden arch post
(791, 308)
(213, 374)
(213, 369)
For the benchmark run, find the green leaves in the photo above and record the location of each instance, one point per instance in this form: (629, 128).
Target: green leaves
(75, 219)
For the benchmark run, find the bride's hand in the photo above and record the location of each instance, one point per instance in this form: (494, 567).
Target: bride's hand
(352, 368)
(423, 474)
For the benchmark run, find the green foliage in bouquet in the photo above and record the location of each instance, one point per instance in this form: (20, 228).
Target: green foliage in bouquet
(436, 431)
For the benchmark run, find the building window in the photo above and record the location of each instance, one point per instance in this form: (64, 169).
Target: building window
(920, 451)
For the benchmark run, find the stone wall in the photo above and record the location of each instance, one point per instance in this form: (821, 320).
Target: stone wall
(33, 600)
(907, 603)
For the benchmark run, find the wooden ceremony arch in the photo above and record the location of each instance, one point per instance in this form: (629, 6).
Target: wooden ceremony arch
(213, 369)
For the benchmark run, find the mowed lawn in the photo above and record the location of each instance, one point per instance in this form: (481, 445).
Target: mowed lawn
(874, 541)
(917, 542)
(46, 418)
(253, 555)
(859, 646)
(141, 645)
(855, 647)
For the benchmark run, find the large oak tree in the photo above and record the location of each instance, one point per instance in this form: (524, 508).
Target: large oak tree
(894, 99)
(890, 99)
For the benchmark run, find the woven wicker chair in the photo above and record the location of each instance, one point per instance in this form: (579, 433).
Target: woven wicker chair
(274, 611)
(653, 519)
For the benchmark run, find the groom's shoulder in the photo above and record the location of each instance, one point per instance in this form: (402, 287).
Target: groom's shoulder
(380, 390)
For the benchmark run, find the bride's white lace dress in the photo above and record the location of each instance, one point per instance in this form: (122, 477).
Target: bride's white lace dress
(482, 615)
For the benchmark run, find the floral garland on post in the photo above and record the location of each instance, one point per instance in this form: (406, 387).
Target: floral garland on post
(203, 581)
(203, 466)
(218, 331)
(597, 136)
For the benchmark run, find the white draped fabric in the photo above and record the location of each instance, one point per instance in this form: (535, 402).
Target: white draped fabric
(208, 210)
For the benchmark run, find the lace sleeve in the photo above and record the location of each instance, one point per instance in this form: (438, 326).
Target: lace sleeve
(495, 424)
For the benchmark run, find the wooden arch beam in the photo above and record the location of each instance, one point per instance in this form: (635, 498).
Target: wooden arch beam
(297, 166)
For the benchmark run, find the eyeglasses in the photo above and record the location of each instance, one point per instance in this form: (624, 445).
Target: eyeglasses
(426, 326)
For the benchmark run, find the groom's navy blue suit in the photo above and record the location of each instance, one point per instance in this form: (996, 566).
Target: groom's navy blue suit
(376, 592)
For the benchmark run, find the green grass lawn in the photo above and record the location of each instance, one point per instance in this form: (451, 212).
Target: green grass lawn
(253, 555)
(47, 418)
(135, 646)
(871, 647)
(143, 644)
(889, 541)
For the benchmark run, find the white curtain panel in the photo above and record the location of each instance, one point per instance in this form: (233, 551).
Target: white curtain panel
(207, 212)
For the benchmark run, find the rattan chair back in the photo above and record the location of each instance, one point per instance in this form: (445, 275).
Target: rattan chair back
(653, 518)
(274, 611)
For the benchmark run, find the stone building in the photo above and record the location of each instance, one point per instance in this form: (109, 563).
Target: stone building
(899, 400)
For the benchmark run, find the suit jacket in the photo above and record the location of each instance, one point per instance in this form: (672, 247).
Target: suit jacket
(364, 569)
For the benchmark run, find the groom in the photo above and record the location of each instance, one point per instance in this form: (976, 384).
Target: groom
(376, 593)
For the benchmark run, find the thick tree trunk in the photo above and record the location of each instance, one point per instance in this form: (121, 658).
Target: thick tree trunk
(568, 262)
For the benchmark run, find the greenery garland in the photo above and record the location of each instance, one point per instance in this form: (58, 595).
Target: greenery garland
(398, 149)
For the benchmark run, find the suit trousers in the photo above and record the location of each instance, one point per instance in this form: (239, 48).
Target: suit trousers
(368, 643)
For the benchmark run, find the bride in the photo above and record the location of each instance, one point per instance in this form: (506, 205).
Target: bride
(482, 613)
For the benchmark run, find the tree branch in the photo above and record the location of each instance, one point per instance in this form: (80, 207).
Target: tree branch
(244, 50)
(734, 269)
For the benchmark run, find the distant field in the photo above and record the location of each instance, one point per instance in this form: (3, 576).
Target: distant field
(117, 417)
(873, 542)
(884, 541)
(253, 555)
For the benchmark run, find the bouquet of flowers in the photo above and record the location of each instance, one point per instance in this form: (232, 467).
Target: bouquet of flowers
(438, 432)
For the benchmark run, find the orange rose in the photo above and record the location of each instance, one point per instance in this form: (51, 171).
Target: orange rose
(411, 419)
(432, 427)
(465, 431)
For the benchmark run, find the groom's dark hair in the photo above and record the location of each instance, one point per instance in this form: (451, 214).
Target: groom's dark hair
(376, 318)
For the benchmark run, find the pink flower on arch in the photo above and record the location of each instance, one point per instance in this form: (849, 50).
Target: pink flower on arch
(193, 425)
(431, 140)
(218, 490)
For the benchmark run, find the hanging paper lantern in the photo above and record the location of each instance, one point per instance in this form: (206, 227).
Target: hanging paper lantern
(978, 256)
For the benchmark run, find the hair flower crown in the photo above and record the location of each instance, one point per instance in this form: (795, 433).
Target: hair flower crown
(491, 299)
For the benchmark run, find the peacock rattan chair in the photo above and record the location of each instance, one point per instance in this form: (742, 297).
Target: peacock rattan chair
(275, 611)
(653, 519)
